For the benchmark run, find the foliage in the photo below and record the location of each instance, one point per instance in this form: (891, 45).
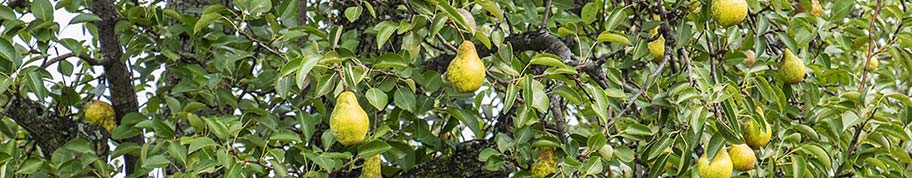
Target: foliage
(247, 87)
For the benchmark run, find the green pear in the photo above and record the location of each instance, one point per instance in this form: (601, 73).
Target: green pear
(729, 12)
(348, 120)
(466, 72)
(742, 157)
(720, 167)
(791, 69)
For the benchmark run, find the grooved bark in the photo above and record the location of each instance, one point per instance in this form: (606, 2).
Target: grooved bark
(123, 95)
(50, 130)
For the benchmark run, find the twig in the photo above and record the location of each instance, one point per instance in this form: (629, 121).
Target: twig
(870, 53)
(642, 90)
(854, 143)
(84, 57)
(445, 43)
(547, 14)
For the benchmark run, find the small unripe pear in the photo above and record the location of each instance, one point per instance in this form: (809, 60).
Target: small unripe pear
(791, 69)
(720, 167)
(348, 120)
(729, 12)
(742, 157)
(466, 72)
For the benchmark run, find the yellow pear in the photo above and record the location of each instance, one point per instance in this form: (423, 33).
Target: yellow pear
(729, 12)
(753, 136)
(348, 121)
(720, 167)
(546, 163)
(371, 168)
(466, 72)
(101, 113)
(873, 64)
(742, 157)
(791, 69)
(656, 47)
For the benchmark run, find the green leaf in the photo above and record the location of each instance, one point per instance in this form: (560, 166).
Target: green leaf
(614, 38)
(638, 129)
(352, 13)
(84, 17)
(377, 98)
(124, 131)
(217, 127)
(372, 148)
(157, 161)
(596, 141)
(307, 64)
(818, 153)
(492, 7)
(405, 99)
(384, 29)
(590, 11)
(547, 59)
(177, 151)
(205, 20)
(30, 166)
(454, 15)
(9, 53)
(79, 146)
(42, 9)
(199, 143)
(592, 167)
(285, 136)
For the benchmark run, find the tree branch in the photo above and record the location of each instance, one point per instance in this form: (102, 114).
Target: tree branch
(52, 129)
(871, 44)
(87, 58)
(123, 94)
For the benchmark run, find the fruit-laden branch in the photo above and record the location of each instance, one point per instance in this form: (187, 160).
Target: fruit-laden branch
(533, 41)
(123, 96)
(51, 130)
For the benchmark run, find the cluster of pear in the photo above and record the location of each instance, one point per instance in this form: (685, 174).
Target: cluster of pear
(740, 157)
(101, 113)
(349, 122)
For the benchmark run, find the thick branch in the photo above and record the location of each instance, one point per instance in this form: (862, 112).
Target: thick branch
(123, 95)
(52, 130)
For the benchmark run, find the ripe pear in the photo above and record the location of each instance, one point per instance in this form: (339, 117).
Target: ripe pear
(656, 47)
(873, 64)
(742, 157)
(371, 168)
(791, 69)
(348, 121)
(753, 136)
(720, 167)
(101, 113)
(546, 163)
(729, 12)
(466, 72)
